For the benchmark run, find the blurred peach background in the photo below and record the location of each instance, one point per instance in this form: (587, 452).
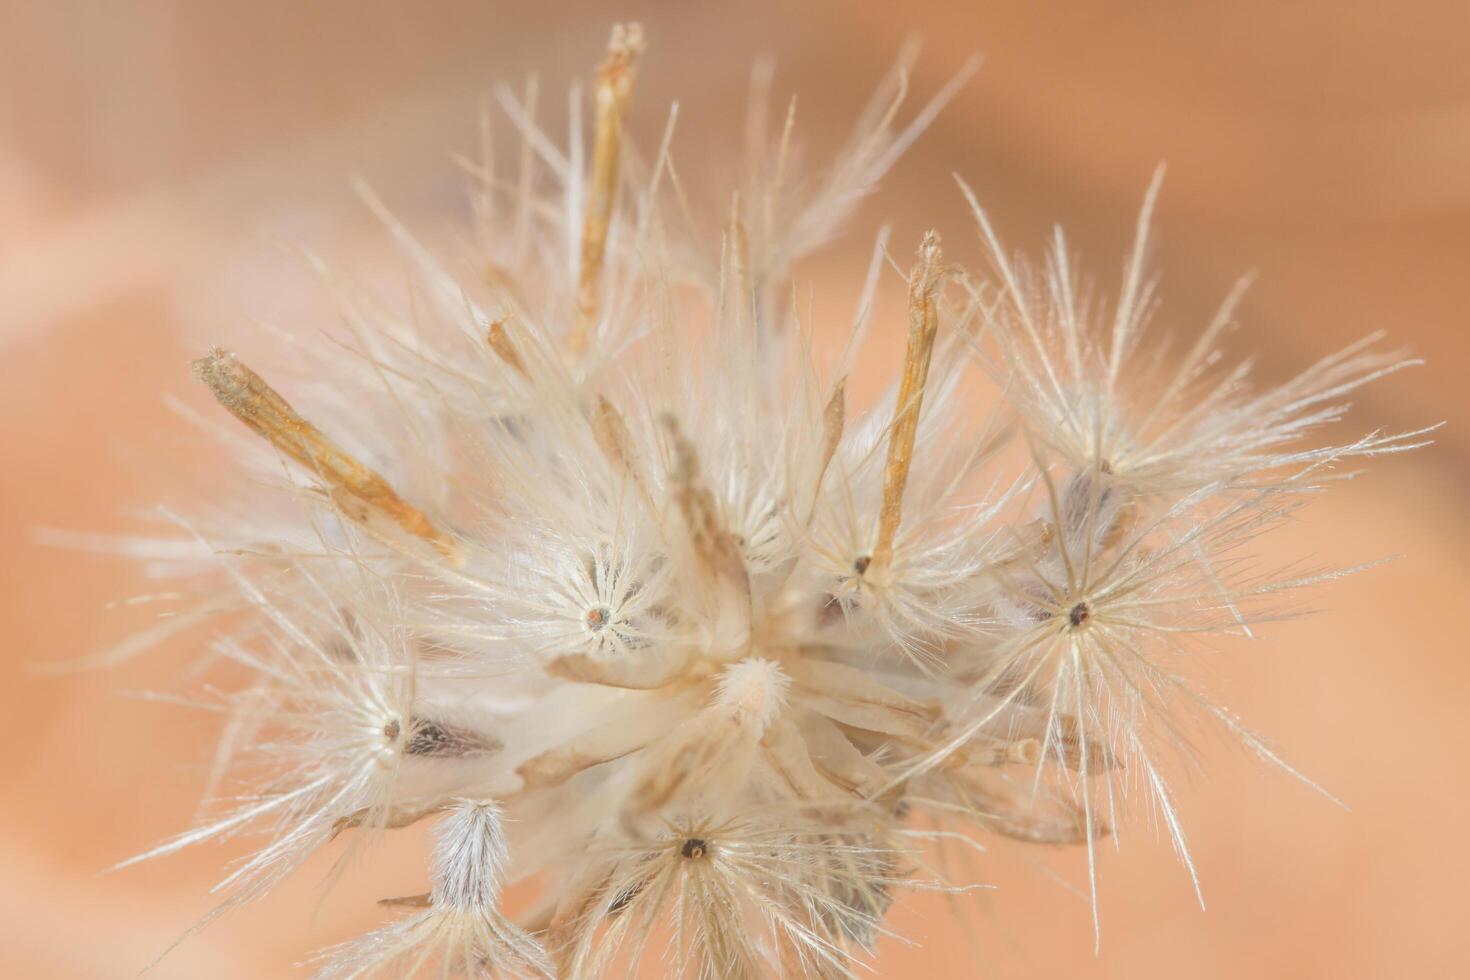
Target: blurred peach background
(154, 155)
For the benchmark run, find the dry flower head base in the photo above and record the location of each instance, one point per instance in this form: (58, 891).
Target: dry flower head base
(584, 556)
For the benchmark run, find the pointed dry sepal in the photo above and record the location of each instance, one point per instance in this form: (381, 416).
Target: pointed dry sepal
(614, 92)
(498, 337)
(616, 442)
(715, 548)
(738, 274)
(834, 421)
(357, 490)
(711, 540)
(924, 282)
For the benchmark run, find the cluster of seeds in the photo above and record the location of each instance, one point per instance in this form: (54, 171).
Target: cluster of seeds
(583, 552)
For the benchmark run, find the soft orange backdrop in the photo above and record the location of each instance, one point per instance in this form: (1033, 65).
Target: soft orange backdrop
(153, 156)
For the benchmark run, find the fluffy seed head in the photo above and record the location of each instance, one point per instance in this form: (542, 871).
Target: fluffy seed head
(582, 550)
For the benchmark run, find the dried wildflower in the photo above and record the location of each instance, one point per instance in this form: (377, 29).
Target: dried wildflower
(613, 560)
